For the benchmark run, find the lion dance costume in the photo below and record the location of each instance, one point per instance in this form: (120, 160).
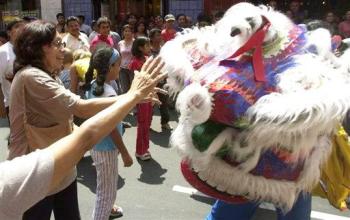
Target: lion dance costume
(257, 108)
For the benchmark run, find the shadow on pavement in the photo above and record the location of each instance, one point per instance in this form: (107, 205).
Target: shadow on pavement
(203, 199)
(151, 172)
(87, 174)
(160, 138)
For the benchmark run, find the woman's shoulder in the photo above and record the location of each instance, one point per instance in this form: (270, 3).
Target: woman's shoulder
(30, 72)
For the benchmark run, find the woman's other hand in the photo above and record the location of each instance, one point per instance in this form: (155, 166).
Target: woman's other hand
(145, 81)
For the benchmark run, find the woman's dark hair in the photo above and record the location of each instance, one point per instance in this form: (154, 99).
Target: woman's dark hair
(100, 62)
(139, 42)
(29, 44)
(137, 26)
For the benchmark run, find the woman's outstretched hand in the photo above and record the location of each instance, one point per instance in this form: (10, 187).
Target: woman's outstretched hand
(145, 80)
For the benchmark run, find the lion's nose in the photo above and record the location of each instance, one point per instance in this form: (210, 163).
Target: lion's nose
(235, 31)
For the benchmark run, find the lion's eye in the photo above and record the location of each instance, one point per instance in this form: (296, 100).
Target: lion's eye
(251, 22)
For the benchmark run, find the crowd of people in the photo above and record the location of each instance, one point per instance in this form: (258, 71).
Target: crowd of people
(52, 73)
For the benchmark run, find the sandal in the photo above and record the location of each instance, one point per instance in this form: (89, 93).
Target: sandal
(116, 212)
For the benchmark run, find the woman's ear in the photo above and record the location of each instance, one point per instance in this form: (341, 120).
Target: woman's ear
(46, 48)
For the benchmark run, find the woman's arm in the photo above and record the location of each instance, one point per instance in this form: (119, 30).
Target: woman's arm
(69, 150)
(74, 80)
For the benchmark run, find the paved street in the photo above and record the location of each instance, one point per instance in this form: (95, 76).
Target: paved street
(156, 189)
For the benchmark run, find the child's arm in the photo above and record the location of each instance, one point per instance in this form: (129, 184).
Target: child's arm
(117, 139)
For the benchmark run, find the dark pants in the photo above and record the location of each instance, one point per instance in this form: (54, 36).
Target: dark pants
(64, 205)
(164, 108)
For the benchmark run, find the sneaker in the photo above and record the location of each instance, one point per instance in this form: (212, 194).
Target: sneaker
(146, 156)
(126, 124)
(166, 127)
(116, 212)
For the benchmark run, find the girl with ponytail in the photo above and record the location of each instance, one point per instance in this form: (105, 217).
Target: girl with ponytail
(106, 62)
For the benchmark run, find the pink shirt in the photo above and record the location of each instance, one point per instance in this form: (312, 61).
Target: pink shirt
(100, 39)
(344, 28)
(125, 51)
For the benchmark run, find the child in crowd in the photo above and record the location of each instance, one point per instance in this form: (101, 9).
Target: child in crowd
(67, 62)
(78, 70)
(106, 61)
(140, 50)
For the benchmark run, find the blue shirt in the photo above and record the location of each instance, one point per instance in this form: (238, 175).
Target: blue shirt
(106, 144)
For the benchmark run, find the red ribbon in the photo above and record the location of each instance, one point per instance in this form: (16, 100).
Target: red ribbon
(255, 42)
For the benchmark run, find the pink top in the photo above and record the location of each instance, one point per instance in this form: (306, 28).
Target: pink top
(125, 51)
(344, 28)
(100, 39)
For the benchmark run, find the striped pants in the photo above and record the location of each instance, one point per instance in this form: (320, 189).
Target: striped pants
(106, 163)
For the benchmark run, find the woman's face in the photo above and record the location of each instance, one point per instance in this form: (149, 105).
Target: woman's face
(54, 54)
(146, 49)
(114, 69)
(330, 17)
(141, 28)
(127, 33)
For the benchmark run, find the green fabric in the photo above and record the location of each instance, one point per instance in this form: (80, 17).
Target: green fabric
(204, 134)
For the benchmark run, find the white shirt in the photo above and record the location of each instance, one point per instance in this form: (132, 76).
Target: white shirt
(73, 43)
(7, 57)
(24, 181)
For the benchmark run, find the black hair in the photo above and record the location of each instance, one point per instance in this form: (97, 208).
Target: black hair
(103, 20)
(13, 23)
(219, 14)
(139, 42)
(29, 44)
(137, 25)
(72, 18)
(153, 32)
(100, 62)
(179, 15)
(4, 35)
(202, 17)
(82, 17)
(59, 14)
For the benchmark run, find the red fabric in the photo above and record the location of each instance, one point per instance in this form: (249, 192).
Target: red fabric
(144, 120)
(344, 28)
(168, 34)
(144, 115)
(136, 63)
(256, 42)
(101, 39)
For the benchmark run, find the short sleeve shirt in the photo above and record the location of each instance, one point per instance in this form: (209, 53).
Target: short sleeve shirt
(136, 64)
(48, 103)
(125, 51)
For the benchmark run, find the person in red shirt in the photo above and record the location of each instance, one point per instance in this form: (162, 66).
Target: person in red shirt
(169, 32)
(344, 27)
(104, 27)
(140, 50)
